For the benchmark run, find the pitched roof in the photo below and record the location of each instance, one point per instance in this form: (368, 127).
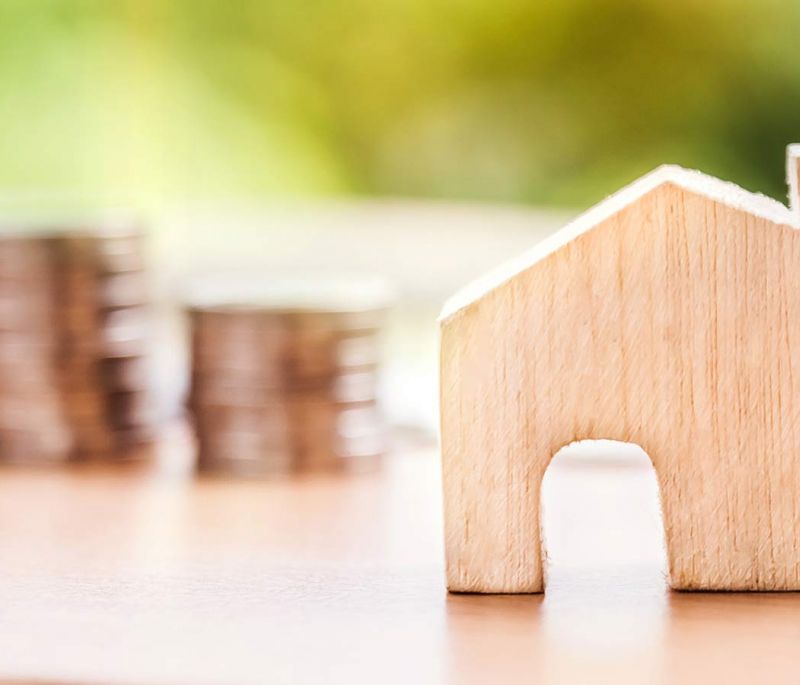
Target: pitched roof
(725, 193)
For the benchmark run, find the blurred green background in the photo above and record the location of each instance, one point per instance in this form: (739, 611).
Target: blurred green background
(553, 103)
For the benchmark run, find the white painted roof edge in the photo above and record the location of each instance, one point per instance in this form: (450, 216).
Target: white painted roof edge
(725, 193)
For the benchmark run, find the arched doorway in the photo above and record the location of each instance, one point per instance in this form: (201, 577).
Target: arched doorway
(601, 517)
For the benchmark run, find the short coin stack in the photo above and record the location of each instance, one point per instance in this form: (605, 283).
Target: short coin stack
(82, 312)
(277, 389)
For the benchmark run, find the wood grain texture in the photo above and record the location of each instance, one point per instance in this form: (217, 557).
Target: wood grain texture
(668, 317)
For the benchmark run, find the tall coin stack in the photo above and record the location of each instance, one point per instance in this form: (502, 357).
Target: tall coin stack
(87, 338)
(104, 336)
(33, 427)
(278, 388)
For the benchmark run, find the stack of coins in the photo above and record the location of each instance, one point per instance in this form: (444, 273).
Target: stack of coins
(278, 389)
(104, 335)
(87, 337)
(33, 427)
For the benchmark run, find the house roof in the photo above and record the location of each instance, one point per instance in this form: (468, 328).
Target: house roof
(713, 188)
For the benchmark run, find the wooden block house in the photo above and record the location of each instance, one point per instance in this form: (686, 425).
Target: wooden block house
(667, 316)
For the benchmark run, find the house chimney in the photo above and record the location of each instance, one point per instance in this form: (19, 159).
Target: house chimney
(793, 177)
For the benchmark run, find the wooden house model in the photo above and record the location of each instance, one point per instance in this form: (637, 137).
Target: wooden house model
(667, 316)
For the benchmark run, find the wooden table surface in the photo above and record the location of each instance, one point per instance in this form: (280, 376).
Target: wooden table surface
(152, 576)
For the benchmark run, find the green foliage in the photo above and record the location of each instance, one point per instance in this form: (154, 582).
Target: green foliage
(547, 102)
